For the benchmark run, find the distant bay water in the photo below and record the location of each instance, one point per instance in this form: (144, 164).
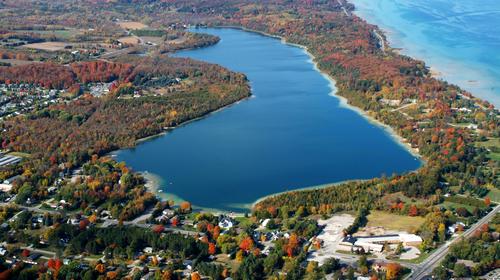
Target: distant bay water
(460, 40)
(291, 134)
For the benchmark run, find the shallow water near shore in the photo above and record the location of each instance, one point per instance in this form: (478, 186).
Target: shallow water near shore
(459, 40)
(290, 135)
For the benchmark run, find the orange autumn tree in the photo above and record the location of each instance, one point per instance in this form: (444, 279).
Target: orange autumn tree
(185, 206)
(195, 276)
(487, 201)
(216, 232)
(246, 244)
(211, 248)
(392, 271)
(293, 243)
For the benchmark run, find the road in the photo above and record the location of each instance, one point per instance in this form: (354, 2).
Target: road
(36, 209)
(116, 53)
(380, 39)
(425, 268)
(343, 8)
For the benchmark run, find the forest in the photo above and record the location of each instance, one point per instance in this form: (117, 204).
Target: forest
(446, 125)
(70, 133)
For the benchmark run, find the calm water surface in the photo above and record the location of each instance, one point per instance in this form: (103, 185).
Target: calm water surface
(459, 39)
(291, 134)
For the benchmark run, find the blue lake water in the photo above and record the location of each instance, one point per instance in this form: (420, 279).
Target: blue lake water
(458, 39)
(291, 134)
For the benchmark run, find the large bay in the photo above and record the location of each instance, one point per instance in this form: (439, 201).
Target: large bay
(291, 134)
(460, 40)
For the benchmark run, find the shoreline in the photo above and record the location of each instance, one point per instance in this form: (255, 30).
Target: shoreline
(166, 130)
(435, 59)
(310, 188)
(343, 102)
(153, 181)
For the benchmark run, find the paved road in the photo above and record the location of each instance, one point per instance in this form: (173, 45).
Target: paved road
(425, 268)
(343, 8)
(380, 39)
(36, 209)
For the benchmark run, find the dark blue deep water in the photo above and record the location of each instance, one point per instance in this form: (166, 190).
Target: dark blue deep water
(291, 134)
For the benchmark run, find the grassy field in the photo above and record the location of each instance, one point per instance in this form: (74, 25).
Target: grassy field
(421, 258)
(491, 144)
(47, 46)
(453, 205)
(394, 222)
(59, 33)
(131, 25)
(19, 154)
(244, 222)
(494, 195)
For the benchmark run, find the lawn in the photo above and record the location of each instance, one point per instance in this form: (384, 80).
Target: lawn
(494, 195)
(453, 205)
(59, 33)
(492, 144)
(394, 222)
(19, 154)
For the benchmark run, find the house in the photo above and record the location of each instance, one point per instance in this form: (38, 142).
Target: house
(188, 264)
(410, 239)
(264, 223)
(74, 221)
(453, 228)
(376, 243)
(226, 222)
(11, 179)
(379, 266)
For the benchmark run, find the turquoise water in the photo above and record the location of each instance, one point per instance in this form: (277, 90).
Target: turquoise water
(458, 39)
(291, 134)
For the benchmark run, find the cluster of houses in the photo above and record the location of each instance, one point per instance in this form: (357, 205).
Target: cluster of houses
(16, 99)
(376, 243)
(99, 89)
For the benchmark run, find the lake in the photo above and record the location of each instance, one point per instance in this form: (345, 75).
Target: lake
(293, 133)
(460, 40)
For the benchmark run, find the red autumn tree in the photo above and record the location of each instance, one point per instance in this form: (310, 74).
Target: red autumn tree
(175, 222)
(158, 229)
(26, 253)
(413, 211)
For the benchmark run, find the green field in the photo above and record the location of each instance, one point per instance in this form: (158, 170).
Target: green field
(453, 205)
(494, 195)
(394, 222)
(19, 154)
(493, 144)
(62, 33)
